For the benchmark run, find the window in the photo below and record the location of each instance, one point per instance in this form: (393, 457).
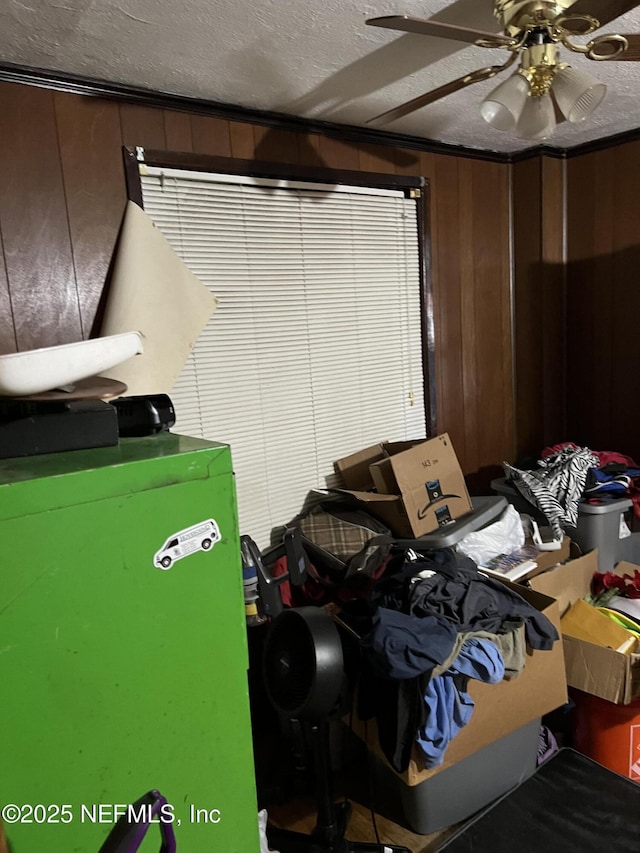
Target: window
(316, 348)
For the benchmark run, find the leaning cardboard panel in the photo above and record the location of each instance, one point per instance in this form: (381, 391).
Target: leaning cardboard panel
(499, 708)
(591, 668)
(153, 291)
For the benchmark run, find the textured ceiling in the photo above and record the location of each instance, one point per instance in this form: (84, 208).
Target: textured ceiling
(315, 59)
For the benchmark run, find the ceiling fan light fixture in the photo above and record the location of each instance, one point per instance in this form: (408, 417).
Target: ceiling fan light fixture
(577, 93)
(538, 118)
(502, 107)
(544, 89)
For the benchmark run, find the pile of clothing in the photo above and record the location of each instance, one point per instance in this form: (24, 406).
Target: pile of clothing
(567, 474)
(431, 623)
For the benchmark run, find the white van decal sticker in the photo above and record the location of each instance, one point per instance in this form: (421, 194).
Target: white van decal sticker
(198, 537)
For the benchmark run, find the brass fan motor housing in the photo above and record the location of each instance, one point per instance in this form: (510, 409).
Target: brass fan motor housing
(538, 65)
(518, 15)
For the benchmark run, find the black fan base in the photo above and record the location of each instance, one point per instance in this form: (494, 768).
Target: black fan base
(309, 692)
(327, 838)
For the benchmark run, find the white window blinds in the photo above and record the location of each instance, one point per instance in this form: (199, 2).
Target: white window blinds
(315, 350)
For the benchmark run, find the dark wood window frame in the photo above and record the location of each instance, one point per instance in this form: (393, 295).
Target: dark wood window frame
(417, 187)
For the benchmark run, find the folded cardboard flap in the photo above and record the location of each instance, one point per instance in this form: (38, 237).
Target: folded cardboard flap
(387, 508)
(568, 582)
(624, 568)
(546, 560)
(602, 672)
(499, 708)
(354, 471)
(591, 668)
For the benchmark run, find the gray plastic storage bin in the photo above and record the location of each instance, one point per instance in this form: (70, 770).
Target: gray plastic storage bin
(502, 486)
(455, 793)
(607, 528)
(602, 526)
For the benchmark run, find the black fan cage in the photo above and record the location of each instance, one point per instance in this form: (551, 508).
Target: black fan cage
(303, 663)
(289, 663)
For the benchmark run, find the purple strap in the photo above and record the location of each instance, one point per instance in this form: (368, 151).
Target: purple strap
(130, 830)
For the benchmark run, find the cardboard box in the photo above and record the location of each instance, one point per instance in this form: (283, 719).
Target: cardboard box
(419, 486)
(585, 622)
(354, 469)
(548, 559)
(592, 668)
(500, 709)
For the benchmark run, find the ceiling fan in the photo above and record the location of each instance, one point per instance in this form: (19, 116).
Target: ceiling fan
(528, 101)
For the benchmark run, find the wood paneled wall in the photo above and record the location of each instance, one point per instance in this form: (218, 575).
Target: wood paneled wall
(603, 304)
(539, 194)
(576, 296)
(62, 196)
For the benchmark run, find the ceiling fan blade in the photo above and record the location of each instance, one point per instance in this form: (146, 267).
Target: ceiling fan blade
(447, 31)
(435, 94)
(603, 10)
(632, 53)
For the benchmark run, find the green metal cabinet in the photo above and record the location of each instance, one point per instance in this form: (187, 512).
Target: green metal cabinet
(118, 676)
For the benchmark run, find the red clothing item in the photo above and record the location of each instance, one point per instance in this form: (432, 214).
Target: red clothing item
(556, 448)
(316, 590)
(298, 596)
(607, 456)
(604, 456)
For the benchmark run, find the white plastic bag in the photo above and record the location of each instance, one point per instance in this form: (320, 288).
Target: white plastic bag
(262, 822)
(502, 537)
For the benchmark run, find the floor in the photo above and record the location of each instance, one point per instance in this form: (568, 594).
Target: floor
(292, 805)
(300, 816)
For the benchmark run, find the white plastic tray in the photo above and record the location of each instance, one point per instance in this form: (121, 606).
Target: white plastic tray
(38, 370)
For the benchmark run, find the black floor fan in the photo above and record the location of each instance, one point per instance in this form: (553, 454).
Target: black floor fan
(304, 678)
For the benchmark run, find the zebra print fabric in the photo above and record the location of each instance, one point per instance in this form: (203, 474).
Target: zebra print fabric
(557, 486)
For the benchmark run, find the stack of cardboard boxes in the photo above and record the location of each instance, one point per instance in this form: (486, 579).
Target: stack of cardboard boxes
(417, 488)
(603, 668)
(591, 666)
